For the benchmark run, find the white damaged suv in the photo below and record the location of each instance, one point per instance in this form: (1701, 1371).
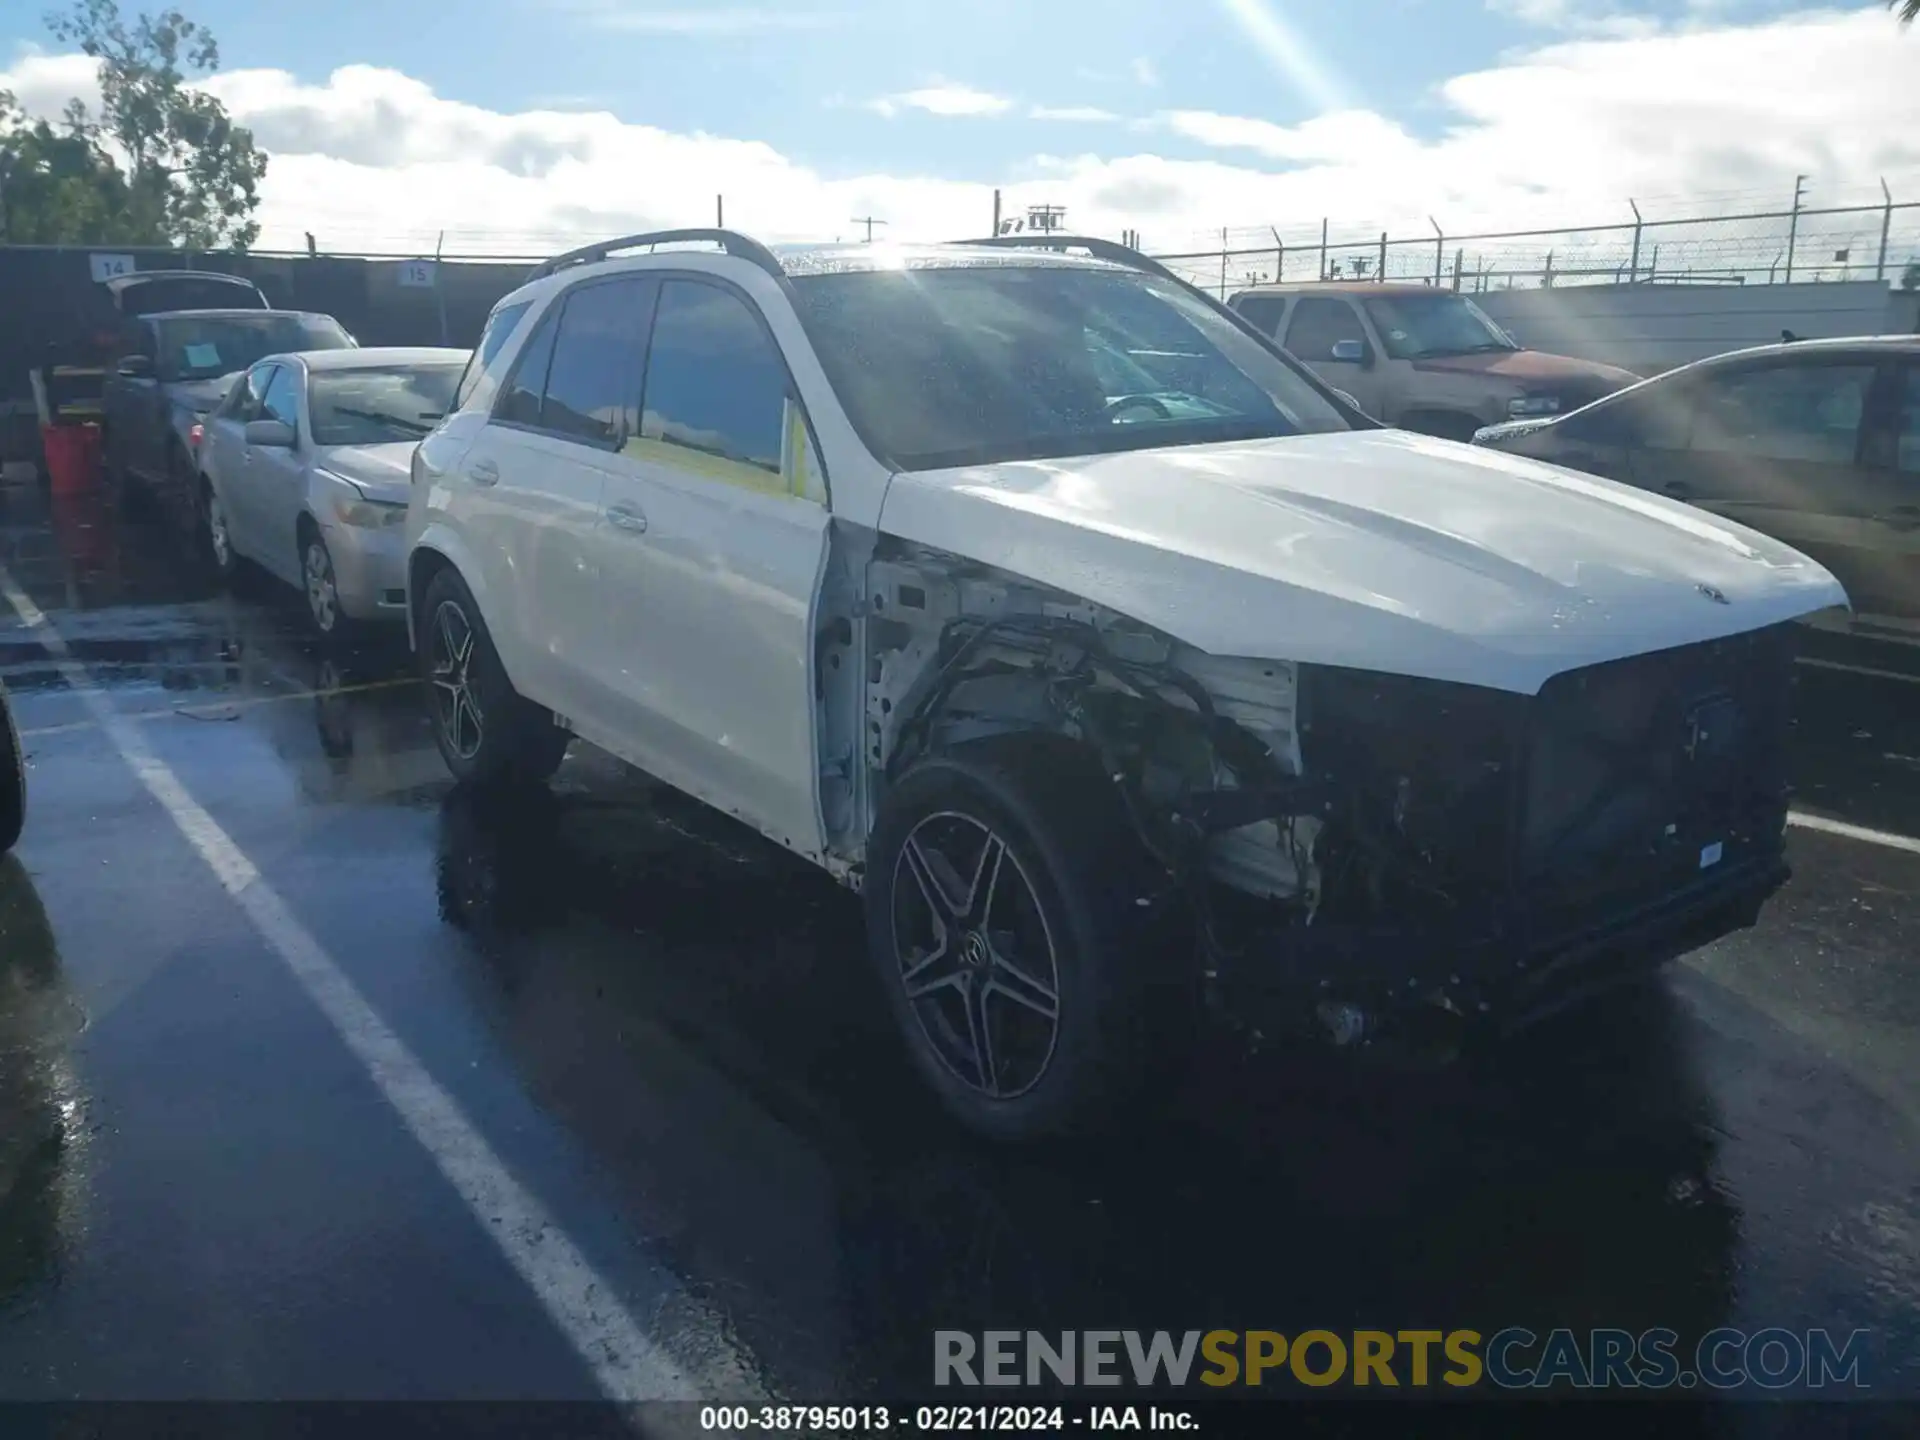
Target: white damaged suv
(1116, 662)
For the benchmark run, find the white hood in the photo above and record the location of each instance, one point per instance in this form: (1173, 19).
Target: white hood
(1376, 549)
(383, 471)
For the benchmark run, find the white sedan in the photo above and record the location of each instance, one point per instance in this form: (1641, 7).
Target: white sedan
(304, 472)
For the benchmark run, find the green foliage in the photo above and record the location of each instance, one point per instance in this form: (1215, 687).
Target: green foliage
(56, 187)
(1909, 10)
(161, 163)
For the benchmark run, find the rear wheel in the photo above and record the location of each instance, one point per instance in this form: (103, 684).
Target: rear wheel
(13, 777)
(215, 535)
(1001, 900)
(487, 732)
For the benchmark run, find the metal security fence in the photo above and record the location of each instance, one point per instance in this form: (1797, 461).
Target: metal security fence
(51, 300)
(1858, 242)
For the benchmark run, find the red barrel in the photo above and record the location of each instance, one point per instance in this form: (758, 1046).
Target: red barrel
(73, 456)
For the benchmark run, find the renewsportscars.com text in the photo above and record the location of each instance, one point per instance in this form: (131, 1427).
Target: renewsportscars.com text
(1515, 1358)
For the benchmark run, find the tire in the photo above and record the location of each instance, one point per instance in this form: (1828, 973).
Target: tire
(487, 732)
(1055, 931)
(320, 587)
(216, 540)
(13, 777)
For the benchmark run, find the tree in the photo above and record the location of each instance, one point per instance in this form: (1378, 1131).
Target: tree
(1909, 10)
(57, 187)
(191, 175)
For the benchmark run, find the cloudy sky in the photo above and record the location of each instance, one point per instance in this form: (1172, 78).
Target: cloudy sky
(517, 124)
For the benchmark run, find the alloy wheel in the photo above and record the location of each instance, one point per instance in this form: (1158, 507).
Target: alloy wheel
(456, 710)
(323, 596)
(977, 959)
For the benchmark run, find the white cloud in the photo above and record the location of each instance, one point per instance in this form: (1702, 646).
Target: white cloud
(1144, 73)
(942, 98)
(1086, 114)
(374, 159)
(719, 21)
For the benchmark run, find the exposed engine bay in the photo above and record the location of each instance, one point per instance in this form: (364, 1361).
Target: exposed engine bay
(1319, 820)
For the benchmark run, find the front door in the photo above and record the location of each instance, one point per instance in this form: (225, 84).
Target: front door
(1885, 558)
(714, 535)
(1328, 335)
(277, 480)
(1775, 445)
(224, 453)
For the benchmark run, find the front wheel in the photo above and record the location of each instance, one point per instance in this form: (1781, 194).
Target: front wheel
(13, 777)
(1000, 892)
(321, 585)
(487, 732)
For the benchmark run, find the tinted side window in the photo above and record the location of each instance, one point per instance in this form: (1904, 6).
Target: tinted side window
(1656, 417)
(519, 403)
(1318, 325)
(715, 382)
(1809, 413)
(243, 400)
(1263, 310)
(1907, 422)
(279, 403)
(594, 372)
(500, 327)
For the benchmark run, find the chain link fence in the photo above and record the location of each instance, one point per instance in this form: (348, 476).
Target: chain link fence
(1877, 242)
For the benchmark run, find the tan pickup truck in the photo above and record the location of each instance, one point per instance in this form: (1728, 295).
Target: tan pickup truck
(1422, 358)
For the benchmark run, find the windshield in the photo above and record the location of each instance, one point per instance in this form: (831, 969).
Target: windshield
(1413, 326)
(200, 347)
(981, 363)
(378, 407)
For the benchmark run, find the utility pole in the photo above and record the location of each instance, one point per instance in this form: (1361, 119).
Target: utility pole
(720, 212)
(869, 221)
(996, 214)
(1793, 225)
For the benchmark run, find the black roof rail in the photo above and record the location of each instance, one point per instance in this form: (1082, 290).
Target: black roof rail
(731, 241)
(1111, 250)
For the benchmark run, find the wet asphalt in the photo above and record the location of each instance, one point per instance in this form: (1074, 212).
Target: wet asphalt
(663, 1030)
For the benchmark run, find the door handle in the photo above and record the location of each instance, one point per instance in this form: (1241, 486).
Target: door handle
(627, 517)
(484, 472)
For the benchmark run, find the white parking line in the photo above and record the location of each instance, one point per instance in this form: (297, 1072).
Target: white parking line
(626, 1364)
(1859, 669)
(1885, 838)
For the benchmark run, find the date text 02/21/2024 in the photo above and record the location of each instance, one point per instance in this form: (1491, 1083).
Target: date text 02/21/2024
(815, 1419)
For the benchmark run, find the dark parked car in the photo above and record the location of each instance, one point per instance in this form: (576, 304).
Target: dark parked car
(1816, 443)
(174, 367)
(13, 776)
(147, 292)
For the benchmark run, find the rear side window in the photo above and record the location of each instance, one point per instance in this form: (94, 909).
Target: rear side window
(519, 403)
(1907, 422)
(715, 382)
(1318, 325)
(594, 372)
(1264, 311)
(480, 379)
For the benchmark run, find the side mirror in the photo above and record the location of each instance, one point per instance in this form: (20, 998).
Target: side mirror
(135, 367)
(1352, 352)
(270, 434)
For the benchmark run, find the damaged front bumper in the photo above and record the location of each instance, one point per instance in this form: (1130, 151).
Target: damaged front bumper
(1474, 983)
